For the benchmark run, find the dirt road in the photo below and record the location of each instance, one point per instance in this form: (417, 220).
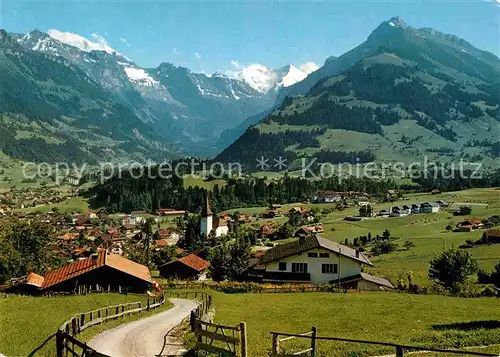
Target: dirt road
(144, 337)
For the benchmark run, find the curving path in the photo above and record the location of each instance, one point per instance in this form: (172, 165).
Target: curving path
(144, 337)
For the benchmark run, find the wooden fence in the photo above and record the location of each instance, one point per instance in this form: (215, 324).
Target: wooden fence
(220, 339)
(68, 344)
(400, 350)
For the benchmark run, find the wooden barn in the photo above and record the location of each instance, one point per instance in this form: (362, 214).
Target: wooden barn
(101, 271)
(190, 267)
(29, 284)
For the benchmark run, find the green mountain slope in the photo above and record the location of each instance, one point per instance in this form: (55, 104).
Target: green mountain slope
(52, 111)
(419, 93)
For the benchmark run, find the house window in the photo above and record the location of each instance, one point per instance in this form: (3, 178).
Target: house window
(299, 267)
(312, 255)
(282, 266)
(324, 255)
(329, 268)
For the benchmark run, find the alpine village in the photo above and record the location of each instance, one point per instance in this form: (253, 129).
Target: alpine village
(279, 258)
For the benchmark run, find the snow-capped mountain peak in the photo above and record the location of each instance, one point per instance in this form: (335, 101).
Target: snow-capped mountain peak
(309, 67)
(263, 79)
(259, 77)
(80, 42)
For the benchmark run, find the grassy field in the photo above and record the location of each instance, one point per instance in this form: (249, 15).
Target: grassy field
(26, 323)
(431, 321)
(72, 204)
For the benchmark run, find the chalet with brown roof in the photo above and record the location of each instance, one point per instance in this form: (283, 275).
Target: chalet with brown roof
(271, 213)
(106, 270)
(267, 230)
(469, 225)
(190, 267)
(312, 259)
(312, 229)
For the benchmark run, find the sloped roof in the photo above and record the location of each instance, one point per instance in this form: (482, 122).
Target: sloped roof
(377, 280)
(193, 261)
(493, 232)
(34, 279)
(308, 243)
(82, 266)
(128, 266)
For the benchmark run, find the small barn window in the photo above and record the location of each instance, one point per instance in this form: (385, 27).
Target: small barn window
(324, 255)
(312, 255)
(282, 266)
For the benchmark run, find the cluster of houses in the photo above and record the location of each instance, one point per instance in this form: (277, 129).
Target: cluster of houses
(366, 210)
(31, 197)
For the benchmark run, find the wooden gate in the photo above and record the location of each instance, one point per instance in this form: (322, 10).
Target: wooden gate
(221, 339)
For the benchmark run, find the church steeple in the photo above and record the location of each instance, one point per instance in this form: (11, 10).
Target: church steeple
(206, 211)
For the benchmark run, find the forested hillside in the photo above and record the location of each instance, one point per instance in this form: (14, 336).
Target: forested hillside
(419, 93)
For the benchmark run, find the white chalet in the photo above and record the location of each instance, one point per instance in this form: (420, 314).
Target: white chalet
(429, 207)
(316, 260)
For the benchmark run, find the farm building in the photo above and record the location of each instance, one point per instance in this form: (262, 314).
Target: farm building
(105, 270)
(312, 229)
(190, 267)
(469, 225)
(311, 259)
(491, 236)
(29, 284)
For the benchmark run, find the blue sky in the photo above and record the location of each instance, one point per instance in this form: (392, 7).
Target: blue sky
(208, 35)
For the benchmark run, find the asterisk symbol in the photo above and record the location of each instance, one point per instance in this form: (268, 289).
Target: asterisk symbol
(280, 163)
(262, 163)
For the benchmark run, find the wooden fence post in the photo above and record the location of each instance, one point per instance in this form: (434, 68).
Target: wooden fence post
(59, 343)
(243, 339)
(399, 351)
(191, 321)
(149, 306)
(276, 345)
(313, 342)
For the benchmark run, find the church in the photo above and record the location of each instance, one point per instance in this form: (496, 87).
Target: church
(210, 223)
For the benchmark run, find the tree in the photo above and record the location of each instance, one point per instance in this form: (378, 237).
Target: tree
(384, 247)
(452, 268)
(220, 261)
(164, 255)
(495, 276)
(25, 248)
(240, 259)
(147, 231)
(230, 262)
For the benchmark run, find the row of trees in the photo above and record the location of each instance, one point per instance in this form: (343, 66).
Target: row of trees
(127, 194)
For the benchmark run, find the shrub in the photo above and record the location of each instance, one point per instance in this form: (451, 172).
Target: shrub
(452, 268)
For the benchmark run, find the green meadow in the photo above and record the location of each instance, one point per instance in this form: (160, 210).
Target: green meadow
(419, 320)
(28, 324)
